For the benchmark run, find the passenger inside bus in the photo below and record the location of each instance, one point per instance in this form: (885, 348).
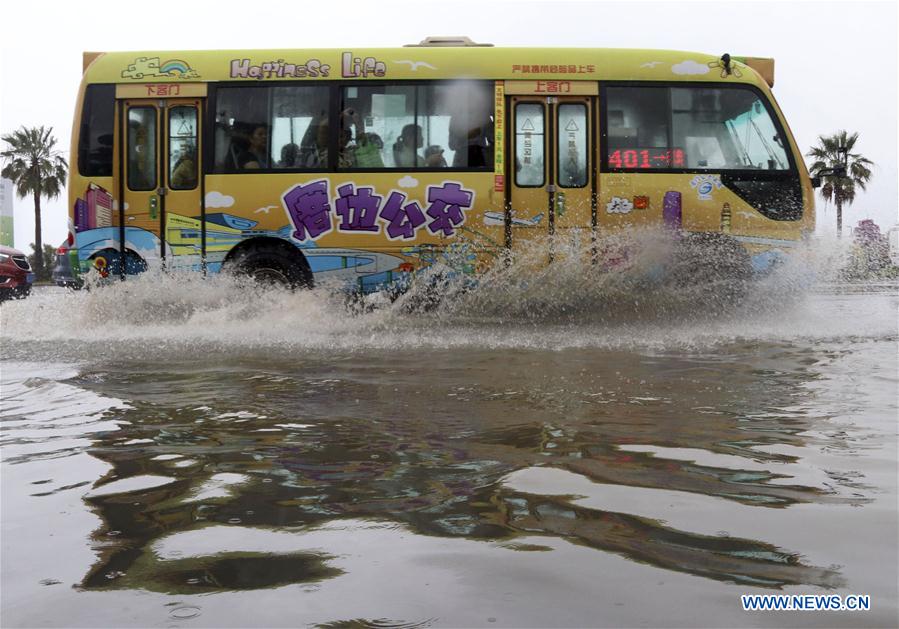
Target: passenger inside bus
(405, 150)
(319, 157)
(470, 139)
(255, 155)
(290, 156)
(184, 172)
(364, 152)
(434, 157)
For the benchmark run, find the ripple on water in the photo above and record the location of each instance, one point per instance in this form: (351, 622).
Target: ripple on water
(401, 461)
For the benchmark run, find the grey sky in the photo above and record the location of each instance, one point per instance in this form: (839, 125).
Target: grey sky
(836, 62)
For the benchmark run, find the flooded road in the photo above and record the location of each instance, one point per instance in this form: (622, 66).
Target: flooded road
(186, 454)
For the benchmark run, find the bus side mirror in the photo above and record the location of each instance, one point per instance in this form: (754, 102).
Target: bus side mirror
(816, 182)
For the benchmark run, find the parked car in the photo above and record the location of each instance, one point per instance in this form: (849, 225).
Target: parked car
(15, 274)
(62, 268)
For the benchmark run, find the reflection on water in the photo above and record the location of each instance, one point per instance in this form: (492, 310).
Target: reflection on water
(287, 468)
(290, 445)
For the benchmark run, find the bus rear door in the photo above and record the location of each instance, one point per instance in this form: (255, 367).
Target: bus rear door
(159, 179)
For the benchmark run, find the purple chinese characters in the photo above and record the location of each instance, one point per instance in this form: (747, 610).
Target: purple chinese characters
(360, 209)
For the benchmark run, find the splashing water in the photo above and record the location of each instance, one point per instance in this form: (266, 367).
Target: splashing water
(642, 290)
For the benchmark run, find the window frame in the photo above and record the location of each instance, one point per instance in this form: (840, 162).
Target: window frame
(170, 168)
(488, 168)
(739, 173)
(334, 101)
(547, 169)
(588, 160)
(209, 145)
(157, 180)
(84, 142)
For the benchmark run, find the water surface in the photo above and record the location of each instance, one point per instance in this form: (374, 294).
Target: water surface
(181, 452)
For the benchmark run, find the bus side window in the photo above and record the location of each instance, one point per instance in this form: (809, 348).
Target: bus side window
(271, 128)
(432, 126)
(676, 127)
(470, 133)
(183, 148)
(297, 114)
(529, 145)
(142, 148)
(95, 142)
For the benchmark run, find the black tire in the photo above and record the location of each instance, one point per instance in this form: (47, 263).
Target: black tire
(711, 270)
(272, 266)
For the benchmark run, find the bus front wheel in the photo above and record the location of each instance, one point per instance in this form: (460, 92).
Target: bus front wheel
(710, 270)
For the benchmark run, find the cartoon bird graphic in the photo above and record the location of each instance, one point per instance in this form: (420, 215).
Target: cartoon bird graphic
(415, 65)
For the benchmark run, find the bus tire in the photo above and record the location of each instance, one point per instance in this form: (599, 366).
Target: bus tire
(711, 270)
(272, 266)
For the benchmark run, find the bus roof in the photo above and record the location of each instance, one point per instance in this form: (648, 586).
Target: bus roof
(424, 62)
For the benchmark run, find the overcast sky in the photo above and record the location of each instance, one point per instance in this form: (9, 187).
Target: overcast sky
(836, 61)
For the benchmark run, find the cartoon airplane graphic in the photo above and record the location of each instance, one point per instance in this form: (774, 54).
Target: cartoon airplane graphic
(496, 219)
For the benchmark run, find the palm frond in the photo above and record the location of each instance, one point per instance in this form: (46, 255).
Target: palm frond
(33, 163)
(827, 154)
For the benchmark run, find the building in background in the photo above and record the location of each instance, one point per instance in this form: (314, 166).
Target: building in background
(7, 190)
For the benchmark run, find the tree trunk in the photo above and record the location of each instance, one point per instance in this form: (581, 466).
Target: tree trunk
(38, 245)
(839, 216)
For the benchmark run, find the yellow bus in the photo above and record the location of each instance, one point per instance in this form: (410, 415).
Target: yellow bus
(368, 165)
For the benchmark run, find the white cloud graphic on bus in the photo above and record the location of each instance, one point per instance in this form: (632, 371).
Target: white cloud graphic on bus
(690, 67)
(217, 199)
(407, 182)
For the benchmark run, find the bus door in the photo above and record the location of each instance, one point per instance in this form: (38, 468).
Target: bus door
(160, 183)
(552, 178)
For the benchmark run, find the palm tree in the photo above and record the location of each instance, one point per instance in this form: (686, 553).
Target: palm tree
(35, 167)
(836, 150)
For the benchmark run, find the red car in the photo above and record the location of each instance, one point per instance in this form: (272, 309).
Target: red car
(15, 273)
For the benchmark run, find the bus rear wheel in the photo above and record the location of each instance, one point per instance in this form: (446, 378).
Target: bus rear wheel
(270, 266)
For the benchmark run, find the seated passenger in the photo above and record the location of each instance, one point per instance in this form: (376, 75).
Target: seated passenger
(405, 149)
(434, 157)
(366, 153)
(290, 156)
(255, 156)
(318, 157)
